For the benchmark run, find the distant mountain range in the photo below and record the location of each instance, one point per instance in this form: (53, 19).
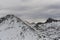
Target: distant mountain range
(49, 20)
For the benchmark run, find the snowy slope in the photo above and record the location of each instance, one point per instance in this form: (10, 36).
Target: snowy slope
(50, 31)
(13, 28)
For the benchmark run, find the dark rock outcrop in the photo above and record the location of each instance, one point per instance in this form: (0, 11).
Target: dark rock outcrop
(50, 20)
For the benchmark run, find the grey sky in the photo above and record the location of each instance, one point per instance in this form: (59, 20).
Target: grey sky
(36, 10)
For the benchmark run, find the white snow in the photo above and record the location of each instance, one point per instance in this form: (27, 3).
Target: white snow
(13, 30)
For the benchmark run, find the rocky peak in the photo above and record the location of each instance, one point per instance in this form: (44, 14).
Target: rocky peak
(50, 20)
(9, 16)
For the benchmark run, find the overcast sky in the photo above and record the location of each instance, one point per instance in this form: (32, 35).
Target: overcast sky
(31, 10)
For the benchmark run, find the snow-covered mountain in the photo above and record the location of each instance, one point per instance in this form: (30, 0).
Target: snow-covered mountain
(13, 28)
(50, 29)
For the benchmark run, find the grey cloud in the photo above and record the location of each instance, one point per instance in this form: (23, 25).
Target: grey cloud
(34, 9)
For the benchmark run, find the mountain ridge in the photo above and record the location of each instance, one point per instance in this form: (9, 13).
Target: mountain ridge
(49, 20)
(16, 29)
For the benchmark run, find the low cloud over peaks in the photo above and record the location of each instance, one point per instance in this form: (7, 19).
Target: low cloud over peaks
(34, 9)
